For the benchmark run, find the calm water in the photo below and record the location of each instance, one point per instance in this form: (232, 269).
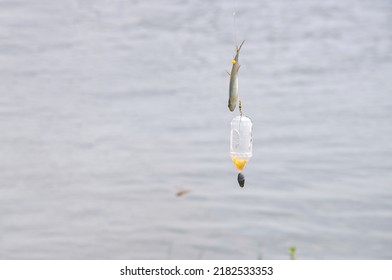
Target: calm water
(108, 108)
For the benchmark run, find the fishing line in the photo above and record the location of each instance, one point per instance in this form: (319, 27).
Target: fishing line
(235, 23)
(235, 29)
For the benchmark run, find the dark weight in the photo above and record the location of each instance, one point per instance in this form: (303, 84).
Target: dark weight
(241, 180)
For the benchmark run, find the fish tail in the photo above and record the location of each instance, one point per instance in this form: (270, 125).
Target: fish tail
(238, 49)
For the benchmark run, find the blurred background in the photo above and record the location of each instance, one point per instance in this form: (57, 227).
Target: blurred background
(109, 108)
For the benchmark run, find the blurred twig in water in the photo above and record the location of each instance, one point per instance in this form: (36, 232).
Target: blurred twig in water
(259, 255)
(292, 253)
(182, 192)
(169, 250)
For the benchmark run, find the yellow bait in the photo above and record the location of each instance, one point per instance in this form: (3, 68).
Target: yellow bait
(240, 163)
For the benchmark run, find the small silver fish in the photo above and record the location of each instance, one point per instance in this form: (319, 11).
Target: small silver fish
(233, 89)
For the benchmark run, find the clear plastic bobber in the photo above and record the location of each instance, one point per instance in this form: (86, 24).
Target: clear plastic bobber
(241, 141)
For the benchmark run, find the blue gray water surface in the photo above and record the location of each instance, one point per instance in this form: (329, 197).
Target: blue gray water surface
(108, 108)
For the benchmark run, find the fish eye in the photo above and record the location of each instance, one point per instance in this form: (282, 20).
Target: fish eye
(234, 61)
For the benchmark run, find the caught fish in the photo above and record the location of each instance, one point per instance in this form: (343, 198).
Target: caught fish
(233, 90)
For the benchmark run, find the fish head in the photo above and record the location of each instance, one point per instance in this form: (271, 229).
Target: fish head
(232, 103)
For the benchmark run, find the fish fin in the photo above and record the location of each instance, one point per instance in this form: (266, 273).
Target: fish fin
(228, 73)
(238, 69)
